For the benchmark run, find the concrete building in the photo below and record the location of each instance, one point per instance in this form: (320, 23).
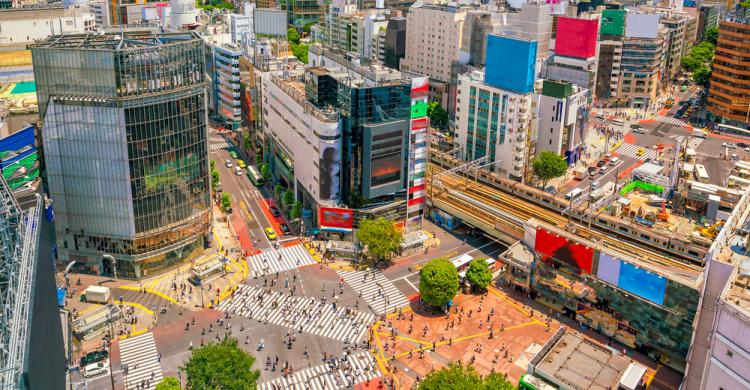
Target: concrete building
(241, 26)
(223, 70)
(612, 31)
(126, 152)
(395, 43)
(708, 19)
(101, 11)
(678, 32)
(532, 22)
(357, 32)
(644, 51)
(269, 21)
(575, 57)
(302, 12)
(433, 43)
(23, 26)
(562, 115)
(182, 13)
(729, 93)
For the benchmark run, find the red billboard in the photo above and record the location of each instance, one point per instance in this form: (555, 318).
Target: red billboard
(576, 37)
(558, 247)
(420, 123)
(337, 220)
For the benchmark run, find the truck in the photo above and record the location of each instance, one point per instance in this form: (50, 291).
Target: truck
(580, 172)
(97, 294)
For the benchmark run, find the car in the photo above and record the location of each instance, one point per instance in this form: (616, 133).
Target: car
(94, 357)
(233, 154)
(270, 233)
(639, 130)
(729, 145)
(95, 369)
(228, 163)
(640, 152)
(238, 171)
(601, 163)
(603, 170)
(742, 145)
(284, 228)
(194, 280)
(592, 170)
(274, 211)
(241, 163)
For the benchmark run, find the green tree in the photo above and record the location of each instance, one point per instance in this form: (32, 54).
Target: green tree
(288, 198)
(300, 50)
(702, 76)
(296, 210)
(168, 383)
(380, 236)
(438, 116)
(226, 202)
(221, 365)
(711, 35)
(292, 35)
(265, 171)
(307, 27)
(214, 175)
(549, 165)
(479, 274)
(438, 282)
(246, 141)
(278, 189)
(459, 377)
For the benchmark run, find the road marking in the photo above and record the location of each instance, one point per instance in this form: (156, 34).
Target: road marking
(369, 284)
(324, 377)
(283, 259)
(140, 354)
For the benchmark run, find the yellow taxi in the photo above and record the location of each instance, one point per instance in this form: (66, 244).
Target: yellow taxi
(241, 163)
(270, 233)
(640, 152)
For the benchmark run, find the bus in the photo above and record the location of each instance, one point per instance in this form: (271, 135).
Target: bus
(202, 272)
(254, 175)
(700, 173)
(462, 262)
(530, 382)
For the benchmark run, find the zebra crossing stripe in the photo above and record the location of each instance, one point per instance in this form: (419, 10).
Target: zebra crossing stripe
(140, 354)
(306, 313)
(368, 284)
(322, 377)
(631, 150)
(284, 259)
(671, 120)
(222, 145)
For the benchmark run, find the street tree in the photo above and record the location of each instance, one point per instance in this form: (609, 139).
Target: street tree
(438, 282)
(288, 198)
(549, 165)
(168, 383)
(438, 116)
(460, 377)
(296, 210)
(265, 171)
(479, 274)
(226, 202)
(712, 34)
(221, 365)
(380, 236)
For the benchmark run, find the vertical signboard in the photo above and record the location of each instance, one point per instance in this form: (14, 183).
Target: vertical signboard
(418, 144)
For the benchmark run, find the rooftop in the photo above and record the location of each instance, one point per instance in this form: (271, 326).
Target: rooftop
(578, 363)
(113, 40)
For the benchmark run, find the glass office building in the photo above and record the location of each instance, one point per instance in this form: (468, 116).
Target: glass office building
(124, 144)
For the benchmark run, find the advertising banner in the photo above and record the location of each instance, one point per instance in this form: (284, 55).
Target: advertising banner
(642, 283)
(335, 220)
(576, 37)
(573, 254)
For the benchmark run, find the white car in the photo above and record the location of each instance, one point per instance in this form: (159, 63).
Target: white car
(228, 163)
(95, 369)
(238, 171)
(639, 130)
(729, 145)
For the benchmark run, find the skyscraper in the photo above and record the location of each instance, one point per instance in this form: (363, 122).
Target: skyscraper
(124, 141)
(728, 96)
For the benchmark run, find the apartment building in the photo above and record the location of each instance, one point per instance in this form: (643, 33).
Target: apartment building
(357, 32)
(223, 71)
(612, 31)
(575, 54)
(493, 113)
(644, 51)
(729, 94)
(562, 119)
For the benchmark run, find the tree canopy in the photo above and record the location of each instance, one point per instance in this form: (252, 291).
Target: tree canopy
(698, 62)
(226, 202)
(299, 49)
(438, 282)
(711, 35)
(459, 377)
(479, 274)
(438, 116)
(221, 365)
(549, 165)
(168, 383)
(380, 236)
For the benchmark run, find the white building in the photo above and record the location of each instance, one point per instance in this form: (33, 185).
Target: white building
(493, 122)
(101, 12)
(532, 22)
(348, 29)
(224, 98)
(22, 26)
(241, 25)
(562, 119)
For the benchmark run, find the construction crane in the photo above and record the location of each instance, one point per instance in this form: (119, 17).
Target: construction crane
(663, 216)
(712, 231)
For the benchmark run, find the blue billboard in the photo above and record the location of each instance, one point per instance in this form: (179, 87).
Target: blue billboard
(642, 283)
(510, 63)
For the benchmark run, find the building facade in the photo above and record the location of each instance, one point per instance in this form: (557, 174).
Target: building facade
(23, 26)
(643, 63)
(223, 62)
(729, 93)
(612, 31)
(562, 115)
(126, 152)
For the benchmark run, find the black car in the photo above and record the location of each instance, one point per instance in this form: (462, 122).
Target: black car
(275, 211)
(741, 145)
(284, 228)
(93, 357)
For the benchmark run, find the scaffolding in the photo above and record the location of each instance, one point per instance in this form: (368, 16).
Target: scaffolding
(19, 236)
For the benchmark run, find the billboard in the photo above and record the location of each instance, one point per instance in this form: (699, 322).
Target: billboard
(609, 269)
(576, 37)
(575, 255)
(329, 170)
(642, 283)
(335, 220)
(516, 75)
(642, 25)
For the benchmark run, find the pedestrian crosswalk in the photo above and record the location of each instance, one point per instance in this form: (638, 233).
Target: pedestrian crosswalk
(139, 353)
(284, 259)
(631, 150)
(381, 295)
(301, 314)
(217, 146)
(671, 120)
(348, 372)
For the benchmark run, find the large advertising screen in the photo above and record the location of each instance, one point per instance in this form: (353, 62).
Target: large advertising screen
(575, 255)
(386, 169)
(576, 37)
(329, 170)
(609, 269)
(642, 282)
(336, 220)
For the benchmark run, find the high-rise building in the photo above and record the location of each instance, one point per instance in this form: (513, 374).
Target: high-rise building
(562, 115)
(575, 52)
(395, 42)
(608, 69)
(729, 93)
(708, 19)
(433, 44)
(302, 12)
(493, 117)
(532, 22)
(350, 30)
(223, 65)
(126, 151)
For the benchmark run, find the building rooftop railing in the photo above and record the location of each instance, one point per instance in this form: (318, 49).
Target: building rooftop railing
(329, 115)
